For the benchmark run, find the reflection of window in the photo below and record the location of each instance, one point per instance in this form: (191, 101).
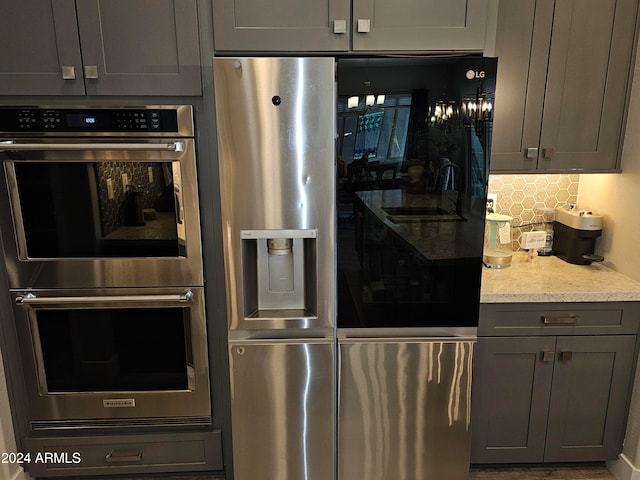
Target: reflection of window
(380, 132)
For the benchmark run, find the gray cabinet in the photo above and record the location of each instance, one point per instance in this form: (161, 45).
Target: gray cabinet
(511, 384)
(329, 25)
(120, 47)
(160, 453)
(562, 85)
(558, 394)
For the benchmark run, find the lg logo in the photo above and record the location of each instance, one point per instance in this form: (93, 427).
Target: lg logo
(472, 74)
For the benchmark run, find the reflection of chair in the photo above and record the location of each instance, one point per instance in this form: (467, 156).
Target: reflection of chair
(373, 176)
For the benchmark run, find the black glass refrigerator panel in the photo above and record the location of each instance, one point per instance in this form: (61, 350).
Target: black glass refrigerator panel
(413, 148)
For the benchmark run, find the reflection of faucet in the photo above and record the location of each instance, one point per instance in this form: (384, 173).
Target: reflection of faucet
(446, 180)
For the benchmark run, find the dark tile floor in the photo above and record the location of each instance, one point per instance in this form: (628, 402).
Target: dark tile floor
(582, 472)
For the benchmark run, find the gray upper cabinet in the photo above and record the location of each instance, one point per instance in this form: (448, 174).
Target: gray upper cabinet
(419, 25)
(40, 48)
(98, 47)
(328, 25)
(281, 25)
(562, 86)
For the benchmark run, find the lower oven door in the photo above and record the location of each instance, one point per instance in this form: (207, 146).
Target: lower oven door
(111, 357)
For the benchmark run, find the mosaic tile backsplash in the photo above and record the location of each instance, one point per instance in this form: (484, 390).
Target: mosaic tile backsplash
(519, 196)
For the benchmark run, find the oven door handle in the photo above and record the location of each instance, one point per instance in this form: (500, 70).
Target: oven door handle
(31, 299)
(171, 146)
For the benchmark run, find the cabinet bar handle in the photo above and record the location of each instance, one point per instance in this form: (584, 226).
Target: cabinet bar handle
(364, 25)
(128, 457)
(565, 356)
(548, 152)
(570, 320)
(547, 356)
(68, 72)
(339, 26)
(91, 71)
(531, 153)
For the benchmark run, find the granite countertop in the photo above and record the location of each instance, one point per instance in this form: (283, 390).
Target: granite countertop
(550, 279)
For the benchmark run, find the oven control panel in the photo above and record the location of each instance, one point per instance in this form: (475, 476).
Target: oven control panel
(90, 120)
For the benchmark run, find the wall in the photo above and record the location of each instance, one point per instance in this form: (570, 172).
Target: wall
(616, 197)
(8, 471)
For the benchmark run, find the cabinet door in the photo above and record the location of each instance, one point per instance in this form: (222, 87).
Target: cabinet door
(589, 67)
(419, 24)
(522, 47)
(281, 25)
(140, 47)
(39, 40)
(587, 411)
(511, 386)
(282, 406)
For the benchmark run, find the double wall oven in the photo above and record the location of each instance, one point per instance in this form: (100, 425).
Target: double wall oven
(101, 235)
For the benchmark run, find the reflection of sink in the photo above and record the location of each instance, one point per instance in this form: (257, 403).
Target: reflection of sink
(414, 211)
(421, 214)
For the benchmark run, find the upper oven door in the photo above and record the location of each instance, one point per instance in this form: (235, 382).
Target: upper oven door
(100, 213)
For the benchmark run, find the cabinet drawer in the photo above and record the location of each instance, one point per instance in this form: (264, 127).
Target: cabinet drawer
(124, 454)
(559, 319)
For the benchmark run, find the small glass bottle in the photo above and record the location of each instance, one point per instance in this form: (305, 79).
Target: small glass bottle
(545, 217)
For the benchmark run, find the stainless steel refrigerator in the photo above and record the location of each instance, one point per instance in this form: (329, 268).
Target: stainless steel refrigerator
(352, 281)
(276, 129)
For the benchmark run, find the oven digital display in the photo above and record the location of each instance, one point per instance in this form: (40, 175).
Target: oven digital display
(85, 120)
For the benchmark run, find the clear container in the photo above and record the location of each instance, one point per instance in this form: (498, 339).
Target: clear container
(544, 221)
(498, 250)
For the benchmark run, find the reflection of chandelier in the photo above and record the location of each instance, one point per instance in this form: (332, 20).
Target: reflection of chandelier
(443, 111)
(369, 100)
(478, 110)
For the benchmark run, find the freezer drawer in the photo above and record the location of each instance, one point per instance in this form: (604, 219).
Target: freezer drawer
(404, 409)
(282, 408)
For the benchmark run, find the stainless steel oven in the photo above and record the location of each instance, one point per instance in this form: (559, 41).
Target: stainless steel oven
(99, 197)
(114, 357)
(100, 226)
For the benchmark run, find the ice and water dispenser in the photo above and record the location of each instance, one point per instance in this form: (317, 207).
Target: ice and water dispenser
(279, 273)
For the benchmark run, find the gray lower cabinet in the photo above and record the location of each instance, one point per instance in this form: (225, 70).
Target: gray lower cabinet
(559, 394)
(330, 25)
(70, 456)
(511, 387)
(93, 47)
(563, 74)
